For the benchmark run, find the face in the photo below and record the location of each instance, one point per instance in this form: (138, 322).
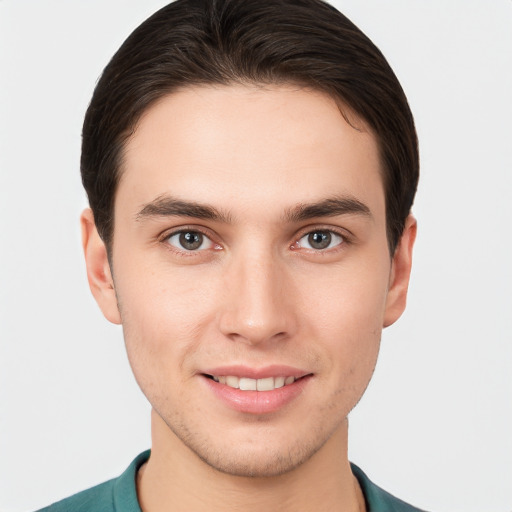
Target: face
(251, 270)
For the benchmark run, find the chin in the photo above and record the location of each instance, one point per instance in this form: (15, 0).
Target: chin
(262, 454)
(256, 463)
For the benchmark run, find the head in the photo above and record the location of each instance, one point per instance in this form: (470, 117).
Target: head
(305, 43)
(250, 167)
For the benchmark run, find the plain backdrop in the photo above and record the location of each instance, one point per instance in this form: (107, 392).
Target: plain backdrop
(435, 427)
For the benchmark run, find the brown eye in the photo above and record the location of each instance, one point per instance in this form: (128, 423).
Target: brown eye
(320, 240)
(189, 241)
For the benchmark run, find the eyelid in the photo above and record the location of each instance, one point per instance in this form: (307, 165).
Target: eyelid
(166, 235)
(347, 237)
(343, 232)
(205, 244)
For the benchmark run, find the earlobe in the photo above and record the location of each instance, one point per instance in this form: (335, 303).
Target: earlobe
(98, 269)
(400, 273)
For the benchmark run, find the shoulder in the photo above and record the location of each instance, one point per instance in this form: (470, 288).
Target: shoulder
(377, 499)
(116, 495)
(99, 498)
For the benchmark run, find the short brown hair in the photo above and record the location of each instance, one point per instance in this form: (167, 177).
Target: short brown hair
(193, 42)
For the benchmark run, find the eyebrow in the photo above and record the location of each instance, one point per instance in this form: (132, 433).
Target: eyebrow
(168, 206)
(331, 207)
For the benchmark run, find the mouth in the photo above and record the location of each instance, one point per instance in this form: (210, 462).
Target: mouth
(257, 391)
(249, 384)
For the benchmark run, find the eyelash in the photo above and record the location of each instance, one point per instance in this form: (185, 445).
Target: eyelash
(345, 240)
(182, 251)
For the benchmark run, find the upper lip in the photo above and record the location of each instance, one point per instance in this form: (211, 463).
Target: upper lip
(256, 373)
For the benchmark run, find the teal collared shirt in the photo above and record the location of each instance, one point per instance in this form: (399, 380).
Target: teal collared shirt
(120, 495)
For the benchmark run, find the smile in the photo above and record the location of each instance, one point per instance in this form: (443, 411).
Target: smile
(248, 384)
(257, 390)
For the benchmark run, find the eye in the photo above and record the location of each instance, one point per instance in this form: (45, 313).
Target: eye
(190, 241)
(320, 240)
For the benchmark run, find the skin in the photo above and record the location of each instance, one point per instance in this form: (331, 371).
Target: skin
(256, 293)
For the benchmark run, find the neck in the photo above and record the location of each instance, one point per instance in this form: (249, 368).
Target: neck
(176, 479)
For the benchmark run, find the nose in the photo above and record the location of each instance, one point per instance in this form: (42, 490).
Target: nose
(258, 305)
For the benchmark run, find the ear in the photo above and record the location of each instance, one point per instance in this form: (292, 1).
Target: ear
(98, 268)
(400, 273)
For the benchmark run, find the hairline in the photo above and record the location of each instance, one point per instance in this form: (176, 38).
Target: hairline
(347, 112)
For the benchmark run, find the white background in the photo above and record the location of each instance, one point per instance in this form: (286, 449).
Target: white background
(435, 427)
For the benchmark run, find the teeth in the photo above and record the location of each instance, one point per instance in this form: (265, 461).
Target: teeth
(232, 382)
(279, 382)
(265, 384)
(247, 384)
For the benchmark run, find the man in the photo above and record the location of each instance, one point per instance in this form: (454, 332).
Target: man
(250, 167)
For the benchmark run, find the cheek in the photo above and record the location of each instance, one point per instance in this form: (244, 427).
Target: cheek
(351, 302)
(348, 316)
(164, 316)
(165, 298)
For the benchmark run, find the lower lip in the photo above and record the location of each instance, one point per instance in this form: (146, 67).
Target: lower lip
(257, 402)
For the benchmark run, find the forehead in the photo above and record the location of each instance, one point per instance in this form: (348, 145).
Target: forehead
(238, 145)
